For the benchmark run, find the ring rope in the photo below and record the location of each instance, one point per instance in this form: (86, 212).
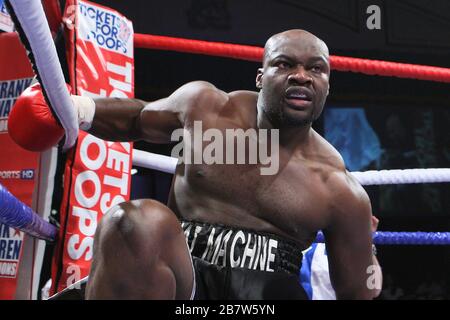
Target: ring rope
(154, 161)
(253, 53)
(404, 176)
(168, 164)
(404, 238)
(16, 214)
(10, 211)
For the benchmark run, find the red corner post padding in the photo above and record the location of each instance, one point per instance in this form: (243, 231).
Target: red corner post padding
(97, 173)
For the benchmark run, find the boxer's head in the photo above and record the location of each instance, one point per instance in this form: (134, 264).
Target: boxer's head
(294, 79)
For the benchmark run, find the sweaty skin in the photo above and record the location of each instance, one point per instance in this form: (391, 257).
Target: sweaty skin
(312, 190)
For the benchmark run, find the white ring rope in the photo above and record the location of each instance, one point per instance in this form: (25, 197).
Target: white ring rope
(154, 161)
(168, 164)
(373, 177)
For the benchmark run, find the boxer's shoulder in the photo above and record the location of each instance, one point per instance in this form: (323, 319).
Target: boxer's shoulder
(199, 99)
(327, 153)
(348, 201)
(211, 103)
(343, 191)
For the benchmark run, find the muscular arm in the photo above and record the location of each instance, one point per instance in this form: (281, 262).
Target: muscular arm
(349, 239)
(118, 119)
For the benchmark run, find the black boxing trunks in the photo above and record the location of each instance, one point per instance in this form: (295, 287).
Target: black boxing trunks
(238, 264)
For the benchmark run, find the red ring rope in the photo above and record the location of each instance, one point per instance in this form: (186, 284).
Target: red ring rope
(251, 53)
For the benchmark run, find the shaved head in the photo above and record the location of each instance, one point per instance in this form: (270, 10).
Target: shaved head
(302, 36)
(294, 78)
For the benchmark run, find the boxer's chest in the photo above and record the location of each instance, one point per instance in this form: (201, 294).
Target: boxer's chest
(294, 198)
(245, 170)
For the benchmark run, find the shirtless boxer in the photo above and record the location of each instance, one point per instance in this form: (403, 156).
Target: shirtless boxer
(245, 230)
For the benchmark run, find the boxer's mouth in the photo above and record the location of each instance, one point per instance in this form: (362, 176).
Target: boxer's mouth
(298, 97)
(298, 93)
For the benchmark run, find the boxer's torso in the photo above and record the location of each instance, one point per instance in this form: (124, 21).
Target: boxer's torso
(294, 202)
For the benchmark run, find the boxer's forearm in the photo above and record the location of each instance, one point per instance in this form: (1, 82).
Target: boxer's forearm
(117, 119)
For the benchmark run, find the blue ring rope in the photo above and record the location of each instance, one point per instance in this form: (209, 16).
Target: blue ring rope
(405, 238)
(16, 214)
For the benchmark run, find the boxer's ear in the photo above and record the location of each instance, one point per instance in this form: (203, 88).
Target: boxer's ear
(259, 76)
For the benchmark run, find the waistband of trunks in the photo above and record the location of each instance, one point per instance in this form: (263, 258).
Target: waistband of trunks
(240, 248)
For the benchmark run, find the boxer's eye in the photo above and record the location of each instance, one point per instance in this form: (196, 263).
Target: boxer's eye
(316, 68)
(283, 64)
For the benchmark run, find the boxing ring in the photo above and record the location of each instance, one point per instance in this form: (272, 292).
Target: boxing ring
(17, 215)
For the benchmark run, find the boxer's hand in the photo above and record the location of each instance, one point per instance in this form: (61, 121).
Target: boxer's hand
(31, 123)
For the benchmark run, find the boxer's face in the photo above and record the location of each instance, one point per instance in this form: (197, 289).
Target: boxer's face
(294, 80)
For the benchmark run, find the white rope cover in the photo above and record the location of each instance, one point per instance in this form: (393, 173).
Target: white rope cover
(167, 164)
(404, 176)
(154, 161)
(33, 22)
